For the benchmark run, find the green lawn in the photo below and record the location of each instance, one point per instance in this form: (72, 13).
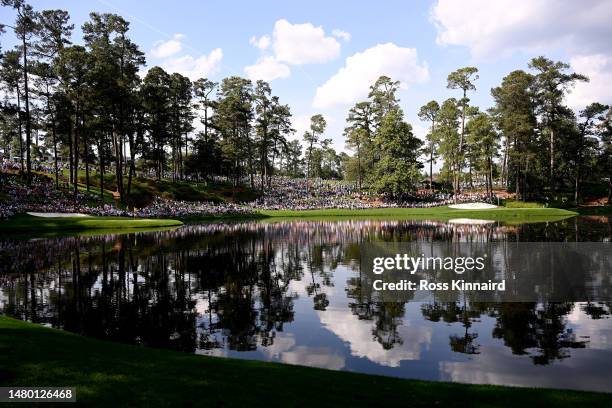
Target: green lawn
(435, 213)
(109, 374)
(144, 190)
(522, 204)
(28, 223)
(25, 223)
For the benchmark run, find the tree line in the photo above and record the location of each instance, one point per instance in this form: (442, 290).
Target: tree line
(529, 142)
(87, 108)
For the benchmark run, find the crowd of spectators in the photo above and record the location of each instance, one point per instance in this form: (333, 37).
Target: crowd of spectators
(42, 196)
(299, 194)
(37, 165)
(283, 193)
(172, 208)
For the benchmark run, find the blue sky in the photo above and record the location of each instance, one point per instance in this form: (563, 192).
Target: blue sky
(319, 55)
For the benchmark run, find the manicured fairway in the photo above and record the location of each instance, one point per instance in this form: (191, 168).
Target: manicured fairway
(108, 374)
(28, 223)
(435, 213)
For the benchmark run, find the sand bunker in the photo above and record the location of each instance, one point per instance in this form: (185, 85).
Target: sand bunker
(472, 206)
(469, 221)
(53, 215)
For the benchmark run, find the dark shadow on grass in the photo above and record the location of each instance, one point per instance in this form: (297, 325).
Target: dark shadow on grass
(109, 374)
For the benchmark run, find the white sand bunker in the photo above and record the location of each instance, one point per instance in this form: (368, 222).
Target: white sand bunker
(469, 221)
(53, 215)
(472, 206)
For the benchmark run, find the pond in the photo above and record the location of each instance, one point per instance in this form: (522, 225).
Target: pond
(290, 292)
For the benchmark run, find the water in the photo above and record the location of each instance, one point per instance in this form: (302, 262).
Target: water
(290, 292)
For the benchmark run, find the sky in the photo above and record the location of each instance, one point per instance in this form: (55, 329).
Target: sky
(322, 56)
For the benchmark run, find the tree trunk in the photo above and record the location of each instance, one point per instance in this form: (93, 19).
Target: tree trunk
(579, 162)
(460, 155)
(132, 171)
(250, 160)
(552, 160)
(19, 120)
(28, 124)
(576, 187)
(308, 166)
(86, 153)
(118, 165)
(101, 152)
(491, 176)
(359, 164)
(471, 178)
(55, 152)
(504, 177)
(70, 154)
(76, 154)
(186, 152)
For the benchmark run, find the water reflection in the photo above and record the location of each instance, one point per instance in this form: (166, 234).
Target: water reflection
(294, 292)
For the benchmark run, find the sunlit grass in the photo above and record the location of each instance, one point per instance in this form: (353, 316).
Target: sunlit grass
(442, 213)
(27, 223)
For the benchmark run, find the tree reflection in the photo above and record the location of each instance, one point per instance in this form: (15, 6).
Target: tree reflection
(235, 286)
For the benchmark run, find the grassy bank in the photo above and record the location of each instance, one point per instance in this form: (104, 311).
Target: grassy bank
(144, 190)
(27, 223)
(109, 374)
(435, 213)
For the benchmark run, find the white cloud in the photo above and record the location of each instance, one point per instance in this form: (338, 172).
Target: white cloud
(495, 365)
(499, 28)
(293, 44)
(164, 49)
(267, 69)
(299, 44)
(492, 29)
(321, 357)
(358, 335)
(361, 70)
(341, 34)
(301, 123)
(262, 42)
(598, 68)
(420, 131)
(193, 67)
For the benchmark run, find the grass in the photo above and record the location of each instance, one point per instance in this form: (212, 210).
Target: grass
(25, 223)
(107, 196)
(28, 223)
(110, 374)
(144, 190)
(435, 213)
(521, 204)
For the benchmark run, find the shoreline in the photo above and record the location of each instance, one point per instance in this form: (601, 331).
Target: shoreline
(155, 377)
(26, 223)
(23, 223)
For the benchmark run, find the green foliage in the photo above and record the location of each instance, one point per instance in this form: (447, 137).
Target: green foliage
(429, 113)
(446, 134)
(95, 111)
(397, 169)
(482, 145)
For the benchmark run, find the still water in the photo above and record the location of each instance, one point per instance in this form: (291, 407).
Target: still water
(291, 292)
